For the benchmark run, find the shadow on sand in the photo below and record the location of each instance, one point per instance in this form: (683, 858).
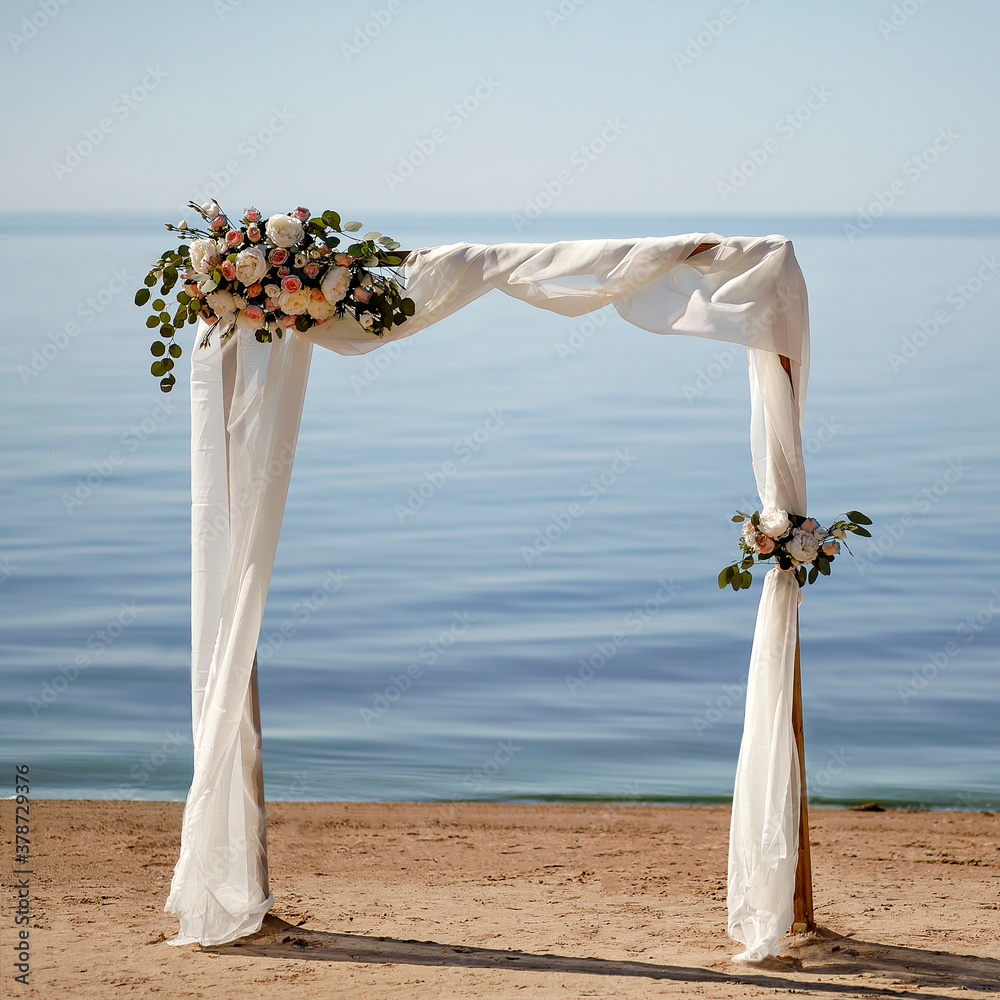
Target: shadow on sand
(807, 964)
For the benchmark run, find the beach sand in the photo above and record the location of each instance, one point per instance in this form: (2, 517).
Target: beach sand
(491, 900)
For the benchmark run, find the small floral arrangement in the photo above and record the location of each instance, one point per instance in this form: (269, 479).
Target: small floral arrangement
(264, 277)
(794, 542)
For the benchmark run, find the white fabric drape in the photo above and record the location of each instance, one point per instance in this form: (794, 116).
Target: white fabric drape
(246, 406)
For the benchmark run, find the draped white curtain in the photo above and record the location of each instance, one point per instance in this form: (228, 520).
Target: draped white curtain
(246, 405)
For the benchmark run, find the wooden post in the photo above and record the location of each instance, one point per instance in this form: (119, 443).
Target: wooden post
(803, 919)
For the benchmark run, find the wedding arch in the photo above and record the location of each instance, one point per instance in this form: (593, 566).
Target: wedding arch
(246, 406)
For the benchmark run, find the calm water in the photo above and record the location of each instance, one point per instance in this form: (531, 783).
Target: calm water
(900, 647)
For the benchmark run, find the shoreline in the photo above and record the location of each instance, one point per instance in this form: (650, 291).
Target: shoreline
(477, 899)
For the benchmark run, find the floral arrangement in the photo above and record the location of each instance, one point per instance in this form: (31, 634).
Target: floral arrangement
(794, 543)
(264, 277)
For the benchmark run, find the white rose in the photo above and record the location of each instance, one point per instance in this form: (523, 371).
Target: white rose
(251, 265)
(211, 209)
(284, 230)
(222, 302)
(774, 522)
(204, 258)
(802, 546)
(368, 320)
(319, 308)
(294, 303)
(334, 285)
(272, 290)
(750, 534)
(839, 533)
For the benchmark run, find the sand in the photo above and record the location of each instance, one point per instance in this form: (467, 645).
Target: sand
(388, 900)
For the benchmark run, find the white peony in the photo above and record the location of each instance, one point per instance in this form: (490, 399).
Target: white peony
(204, 258)
(284, 230)
(221, 302)
(334, 285)
(251, 265)
(802, 546)
(774, 522)
(294, 303)
(319, 308)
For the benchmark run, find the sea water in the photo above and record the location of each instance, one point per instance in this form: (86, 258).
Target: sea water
(440, 625)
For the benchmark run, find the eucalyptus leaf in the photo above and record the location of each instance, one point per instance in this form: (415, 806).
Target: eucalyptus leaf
(157, 348)
(351, 227)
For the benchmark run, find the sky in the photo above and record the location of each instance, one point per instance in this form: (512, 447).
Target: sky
(566, 106)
